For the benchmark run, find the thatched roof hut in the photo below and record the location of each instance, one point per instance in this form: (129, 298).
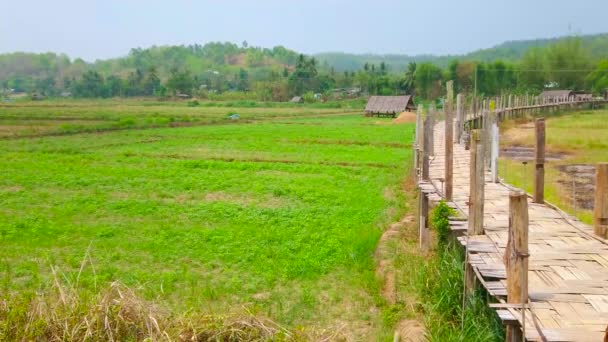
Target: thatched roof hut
(389, 105)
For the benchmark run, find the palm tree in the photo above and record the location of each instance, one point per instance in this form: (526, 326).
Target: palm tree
(410, 78)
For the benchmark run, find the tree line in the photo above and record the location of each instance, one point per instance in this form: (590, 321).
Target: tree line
(277, 74)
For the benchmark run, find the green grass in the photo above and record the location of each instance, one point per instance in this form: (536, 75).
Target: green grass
(57, 117)
(440, 285)
(581, 136)
(280, 216)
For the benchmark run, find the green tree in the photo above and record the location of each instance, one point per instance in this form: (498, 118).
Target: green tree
(180, 82)
(409, 81)
(532, 73)
(428, 80)
(568, 63)
(598, 79)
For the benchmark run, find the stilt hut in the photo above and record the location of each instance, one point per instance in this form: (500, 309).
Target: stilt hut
(389, 105)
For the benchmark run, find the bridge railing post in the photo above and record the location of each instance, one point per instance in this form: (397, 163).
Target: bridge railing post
(418, 142)
(516, 260)
(426, 149)
(423, 228)
(539, 174)
(449, 141)
(600, 213)
(476, 198)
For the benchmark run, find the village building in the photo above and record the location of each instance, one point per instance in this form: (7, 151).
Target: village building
(583, 96)
(389, 105)
(554, 96)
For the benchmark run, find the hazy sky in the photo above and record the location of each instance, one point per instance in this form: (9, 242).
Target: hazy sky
(109, 28)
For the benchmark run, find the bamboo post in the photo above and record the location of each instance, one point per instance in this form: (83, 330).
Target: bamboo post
(428, 133)
(495, 150)
(487, 139)
(476, 198)
(424, 232)
(600, 214)
(539, 176)
(476, 186)
(449, 141)
(459, 118)
(516, 259)
(431, 116)
(418, 140)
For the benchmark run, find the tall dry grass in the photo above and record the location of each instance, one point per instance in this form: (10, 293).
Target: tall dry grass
(117, 313)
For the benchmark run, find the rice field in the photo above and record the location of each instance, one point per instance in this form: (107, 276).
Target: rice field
(276, 213)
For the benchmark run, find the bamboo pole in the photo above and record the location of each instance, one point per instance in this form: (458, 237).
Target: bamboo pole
(431, 116)
(424, 232)
(459, 118)
(539, 176)
(428, 134)
(449, 141)
(516, 259)
(495, 149)
(600, 213)
(476, 186)
(418, 141)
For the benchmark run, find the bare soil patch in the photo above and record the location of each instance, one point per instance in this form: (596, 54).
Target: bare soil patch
(405, 117)
(578, 183)
(526, 153)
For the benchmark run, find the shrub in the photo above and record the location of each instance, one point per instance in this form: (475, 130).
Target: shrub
(440, 222)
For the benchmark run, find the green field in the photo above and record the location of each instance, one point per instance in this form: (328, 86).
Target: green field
(278, 213)
(579, 138)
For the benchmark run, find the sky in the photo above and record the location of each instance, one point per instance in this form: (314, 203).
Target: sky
(110, 28)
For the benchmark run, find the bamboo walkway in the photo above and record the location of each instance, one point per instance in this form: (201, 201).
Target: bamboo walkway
(568, 264)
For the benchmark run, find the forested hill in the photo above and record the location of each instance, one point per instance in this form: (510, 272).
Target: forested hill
(214, 64)
(509, 51)
(242, 71)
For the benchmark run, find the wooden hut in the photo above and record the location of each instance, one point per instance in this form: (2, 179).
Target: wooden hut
(554, 96)
(389, 105)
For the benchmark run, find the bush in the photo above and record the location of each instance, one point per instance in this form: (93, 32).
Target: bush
(440, 284)
(193, 103)
(440, 222)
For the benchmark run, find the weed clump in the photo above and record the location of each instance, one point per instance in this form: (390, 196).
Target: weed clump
(118, 314)
(440, 285)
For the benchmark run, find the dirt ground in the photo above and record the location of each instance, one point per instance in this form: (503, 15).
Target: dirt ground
(405, 117)
(399, 238)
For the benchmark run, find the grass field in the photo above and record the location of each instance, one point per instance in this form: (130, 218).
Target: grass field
(278, 213)
(28, 119)
(579, 138)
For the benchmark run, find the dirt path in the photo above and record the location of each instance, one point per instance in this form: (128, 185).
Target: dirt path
(394, 241)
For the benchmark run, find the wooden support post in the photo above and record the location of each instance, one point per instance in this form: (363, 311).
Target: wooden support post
(600, 214)
(516, 258)
(539, 176)
(459, 118)
(449, 141)
(476, 186)
(418, 141)
(487, 138)
(431, 116)
(424, 232)
(428, 134)
(476, 199)
(495, 150)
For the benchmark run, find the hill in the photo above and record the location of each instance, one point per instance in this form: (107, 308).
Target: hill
(212, 63)
(507, 51)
